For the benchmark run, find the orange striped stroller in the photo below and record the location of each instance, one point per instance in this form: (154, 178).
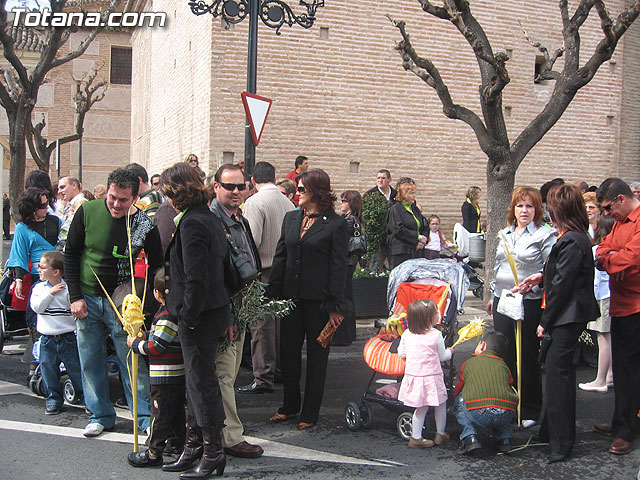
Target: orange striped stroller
(381, 354)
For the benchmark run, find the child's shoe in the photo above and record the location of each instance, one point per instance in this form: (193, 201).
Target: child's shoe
(504, 445)
(144, 459)
(420, 443)
(469, 444)
(52, 409)
(441, 439)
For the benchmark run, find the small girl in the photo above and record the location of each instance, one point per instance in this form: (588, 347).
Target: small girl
(423, 384)
(436, 241)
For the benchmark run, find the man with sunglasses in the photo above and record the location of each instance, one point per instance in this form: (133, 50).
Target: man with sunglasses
(619, 255)
(229, 185)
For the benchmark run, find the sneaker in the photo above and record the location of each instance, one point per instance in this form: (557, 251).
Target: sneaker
(93, 430)
(52, 410)
(122, 402)
(420, 443)
(503, 445)
(528, 423)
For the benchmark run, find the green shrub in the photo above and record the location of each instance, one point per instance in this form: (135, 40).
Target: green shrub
(374, 225)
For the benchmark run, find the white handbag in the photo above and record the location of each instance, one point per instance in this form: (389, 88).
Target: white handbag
(510, 305)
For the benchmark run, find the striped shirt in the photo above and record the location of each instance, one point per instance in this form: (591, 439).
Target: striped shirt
(166, 365)
(54, 311)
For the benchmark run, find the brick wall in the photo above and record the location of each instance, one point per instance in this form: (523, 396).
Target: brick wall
(346, 98)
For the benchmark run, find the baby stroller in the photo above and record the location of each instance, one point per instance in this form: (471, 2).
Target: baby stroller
(12, 309)
(380, 352)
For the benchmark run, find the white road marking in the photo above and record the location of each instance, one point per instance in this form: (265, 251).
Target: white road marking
(271, 448)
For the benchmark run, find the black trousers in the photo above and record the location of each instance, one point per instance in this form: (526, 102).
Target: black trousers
(625, 354)
(559, 421)
(346, 332)
(204, 401)
(167, 415)
(531, 373)
(305, 322)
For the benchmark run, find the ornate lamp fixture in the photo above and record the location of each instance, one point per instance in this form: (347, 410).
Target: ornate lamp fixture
(273, 13)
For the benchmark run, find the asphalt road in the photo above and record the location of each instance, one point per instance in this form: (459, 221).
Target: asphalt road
(39, 446)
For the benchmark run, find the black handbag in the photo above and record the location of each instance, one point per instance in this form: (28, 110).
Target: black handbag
(357, 243)
(239, 271)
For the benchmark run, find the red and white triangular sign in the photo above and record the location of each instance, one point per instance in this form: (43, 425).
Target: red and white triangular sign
(256, 108)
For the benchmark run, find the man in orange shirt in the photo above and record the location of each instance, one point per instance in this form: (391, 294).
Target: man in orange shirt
(619, 255)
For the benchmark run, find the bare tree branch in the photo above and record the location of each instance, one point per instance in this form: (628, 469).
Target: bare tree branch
(605, 22)
(547, 72)
(428, 72)
(8, 46)
(439, 12)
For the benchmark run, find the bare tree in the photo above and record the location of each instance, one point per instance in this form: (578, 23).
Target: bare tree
(85, 96)
(19, 87)
(504, 157)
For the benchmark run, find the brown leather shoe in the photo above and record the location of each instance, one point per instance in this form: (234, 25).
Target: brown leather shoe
(620, 446)
(603, 428)
(245, 450)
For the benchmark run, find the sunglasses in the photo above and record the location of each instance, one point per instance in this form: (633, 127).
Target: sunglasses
(232, 186)
(156, 184)
(192, 161)
(43, 205)
(607, 208)
(302, 190)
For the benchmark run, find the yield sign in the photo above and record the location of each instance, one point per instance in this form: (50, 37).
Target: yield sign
(256, 108)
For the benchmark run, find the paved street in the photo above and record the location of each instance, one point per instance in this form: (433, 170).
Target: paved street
(39, 446)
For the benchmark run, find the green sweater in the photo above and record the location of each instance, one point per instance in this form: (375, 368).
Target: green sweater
(98, 240)
(486, 382)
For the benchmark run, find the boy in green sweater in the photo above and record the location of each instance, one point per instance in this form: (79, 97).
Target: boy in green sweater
(485, 398)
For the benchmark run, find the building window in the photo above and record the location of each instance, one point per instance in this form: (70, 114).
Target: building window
(540, 64)
(121, 65)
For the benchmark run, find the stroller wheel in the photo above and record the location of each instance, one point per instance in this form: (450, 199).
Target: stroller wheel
(403, 425)
(40, 387)
(352, 416)
(70, 394)
(366, 414)
(478, 292)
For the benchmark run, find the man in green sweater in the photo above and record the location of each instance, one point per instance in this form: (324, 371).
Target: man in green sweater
(98, 241)
(486, 398)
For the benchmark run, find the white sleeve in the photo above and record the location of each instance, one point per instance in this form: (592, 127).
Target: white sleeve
(443, 353)
(402, 351)
(40, 298)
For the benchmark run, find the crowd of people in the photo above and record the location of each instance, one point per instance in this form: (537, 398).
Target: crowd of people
(564, 240)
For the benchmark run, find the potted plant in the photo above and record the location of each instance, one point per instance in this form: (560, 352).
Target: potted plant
(370, 280)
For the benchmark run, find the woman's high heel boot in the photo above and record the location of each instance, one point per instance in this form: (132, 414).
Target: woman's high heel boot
(213, 456)
(192, 449)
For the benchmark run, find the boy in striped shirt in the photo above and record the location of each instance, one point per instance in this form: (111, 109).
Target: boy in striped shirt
(166, 373)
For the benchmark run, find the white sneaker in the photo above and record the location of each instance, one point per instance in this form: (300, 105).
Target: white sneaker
(93, 430)
(528, 423)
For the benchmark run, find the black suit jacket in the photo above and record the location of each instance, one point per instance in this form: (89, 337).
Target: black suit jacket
(392, 195)
(402, 229)
(195, 262)
(568, 282)
(313, 267)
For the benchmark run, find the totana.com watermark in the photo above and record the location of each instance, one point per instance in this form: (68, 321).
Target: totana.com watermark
(47, 18)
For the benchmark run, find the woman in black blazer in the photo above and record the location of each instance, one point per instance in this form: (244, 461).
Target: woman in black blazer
(309, 267)
(197, 298)
(569, 303)
(407, 229)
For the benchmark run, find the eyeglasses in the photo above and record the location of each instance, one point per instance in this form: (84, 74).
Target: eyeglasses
(232, 186)
(302, 190)
(607, 208)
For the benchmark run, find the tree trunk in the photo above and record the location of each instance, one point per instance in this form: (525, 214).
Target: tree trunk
(17, 127)
(500, 182)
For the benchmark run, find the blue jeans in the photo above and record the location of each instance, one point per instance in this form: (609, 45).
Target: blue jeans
(92, 337)
(53, 350)
(483, 417)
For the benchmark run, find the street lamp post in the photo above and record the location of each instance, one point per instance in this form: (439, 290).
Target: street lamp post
(274, 14)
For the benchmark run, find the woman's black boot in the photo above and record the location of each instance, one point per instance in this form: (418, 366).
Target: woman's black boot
(192, 449)
(213, 456)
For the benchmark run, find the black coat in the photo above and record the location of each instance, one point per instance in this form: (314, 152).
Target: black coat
(313, 267)
(392, 195)
(402, 229)
(470, 217)
(568, 282)
(195, 262)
